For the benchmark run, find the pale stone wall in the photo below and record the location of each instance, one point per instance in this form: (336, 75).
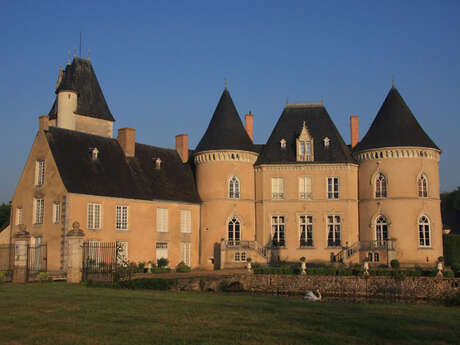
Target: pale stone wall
(142, 233)
(52, 190)
(318, 206)
(402, 207)
(66, 108)
(92, 125)
(5, 235)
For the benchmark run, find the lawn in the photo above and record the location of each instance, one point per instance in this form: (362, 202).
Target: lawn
(60, 314)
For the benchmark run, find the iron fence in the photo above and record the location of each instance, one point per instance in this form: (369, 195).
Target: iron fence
(37, 260)
(7, 260)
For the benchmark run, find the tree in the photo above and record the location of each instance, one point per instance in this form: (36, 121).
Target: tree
(4, 215)
(451, 200)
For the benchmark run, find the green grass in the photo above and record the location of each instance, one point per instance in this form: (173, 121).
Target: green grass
(61, 314)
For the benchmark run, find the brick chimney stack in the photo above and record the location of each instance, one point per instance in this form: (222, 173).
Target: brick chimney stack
(43, 123)
(354, 130)
(182, 146)
(127, 140)
(249, 125)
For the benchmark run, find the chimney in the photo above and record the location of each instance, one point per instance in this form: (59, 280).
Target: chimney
(182, 146)
(127, 140)
(249, 125)
(43, 123)
(354, 130)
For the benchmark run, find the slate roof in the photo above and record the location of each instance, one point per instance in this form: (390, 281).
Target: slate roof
(319, 125)
(112, 174)
(225, 130)
(80, 77)
(394, 126)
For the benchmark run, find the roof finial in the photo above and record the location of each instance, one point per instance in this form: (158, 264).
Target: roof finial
(74, 52)
(393, 81)
(225, 81)
(68, 57)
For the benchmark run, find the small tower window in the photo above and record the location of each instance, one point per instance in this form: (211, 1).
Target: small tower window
(424, 232)
(283, 143)
(94, 153)
(422, 186)
(326, 141)
(157, 163)
(304, 145)
(380, 186)
(234, 188)
(381, 231)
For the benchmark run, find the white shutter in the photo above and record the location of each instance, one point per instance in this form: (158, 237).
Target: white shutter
(301, 187)
(185, 253)
(185, 221)
(162, 219)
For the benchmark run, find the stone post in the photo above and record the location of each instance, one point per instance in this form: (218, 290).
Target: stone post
(21, 244)
(222, 254)
(74, 240)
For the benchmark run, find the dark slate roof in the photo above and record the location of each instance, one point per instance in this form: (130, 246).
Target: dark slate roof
(319, 126)
(225, 130)
(394, 126)
(80, 77)
(112, 174)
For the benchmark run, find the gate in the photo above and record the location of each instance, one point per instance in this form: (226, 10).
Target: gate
(104, 261)
(7, 260)
(37, 260)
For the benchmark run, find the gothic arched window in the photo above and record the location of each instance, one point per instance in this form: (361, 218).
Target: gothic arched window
(234, 188)
(380, 186)
(422, 186)
(424, 232)
(234, 233)
(381, 230)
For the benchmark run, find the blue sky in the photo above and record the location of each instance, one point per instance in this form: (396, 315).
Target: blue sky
(162, 65)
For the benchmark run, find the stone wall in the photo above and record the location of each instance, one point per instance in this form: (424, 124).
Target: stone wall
(348, 286)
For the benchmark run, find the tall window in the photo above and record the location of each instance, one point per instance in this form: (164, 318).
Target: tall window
(381, 230)
(39, 208)
(162, 250)
(304, 145)
(234, 232)
(278, 231)
(122, 253)
(18, 215)
(162, 219)
(332, 187)
(424, 232)
(121, 217)
(94, 216)
(186, 221)
(185, 253)
(305, 187)
(234, 188)
(306, 231)
(334, 230)
(39, 172)
(422, 187)
(277, 188)
(380, 186)
(56, 212)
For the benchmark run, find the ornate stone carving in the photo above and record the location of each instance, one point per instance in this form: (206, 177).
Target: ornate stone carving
(76, 231)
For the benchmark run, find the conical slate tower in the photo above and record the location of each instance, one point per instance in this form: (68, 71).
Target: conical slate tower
(225, 130)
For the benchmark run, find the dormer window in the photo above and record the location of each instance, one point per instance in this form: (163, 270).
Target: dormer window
(283, 143)
(326, 141)
(157, 163)
(305, 145)
(94, 153)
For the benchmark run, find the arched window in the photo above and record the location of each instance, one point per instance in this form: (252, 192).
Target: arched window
(422, 186)
(234, 188)
(424, 232)
(234, 232)
(381, 231)
(380, 186)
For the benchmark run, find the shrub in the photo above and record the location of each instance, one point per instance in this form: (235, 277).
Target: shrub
(141, 267)
(43, 277)
(398, 275)
(163, 262)
(161, 270)
(2, 277)
(451, 244)
(182, 267)
(448, 274)
(452, 301)
(395, 264)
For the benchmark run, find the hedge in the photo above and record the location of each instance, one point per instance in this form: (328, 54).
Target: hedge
(451, 245)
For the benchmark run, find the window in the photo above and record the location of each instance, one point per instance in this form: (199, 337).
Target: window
(278, 231)
(305, 187)
(380, 186)
(332, 187)
(56, 212)
(374, 257)
(185, 253)
(121, 218)
(333, 235)
(39, 172)
(162, 250)
(39, 207)
(94, 216)
(162, 219)
(306, 231)
(18, 215)
(381, 231)
(186, 221)
(424, 232)
(234, 188)
(277, 188)
(234, 233)
(93, 254)
(422, 187)
(239, 256)
(122, 253)
(304, 145)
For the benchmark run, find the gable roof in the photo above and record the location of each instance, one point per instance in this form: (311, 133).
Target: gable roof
(113, 174)
(81, 78)
(289, 127)
(225, 130)
(394, 126)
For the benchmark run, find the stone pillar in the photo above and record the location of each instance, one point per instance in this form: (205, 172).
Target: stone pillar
(21, 244)
(222, 254)
(74, 240)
